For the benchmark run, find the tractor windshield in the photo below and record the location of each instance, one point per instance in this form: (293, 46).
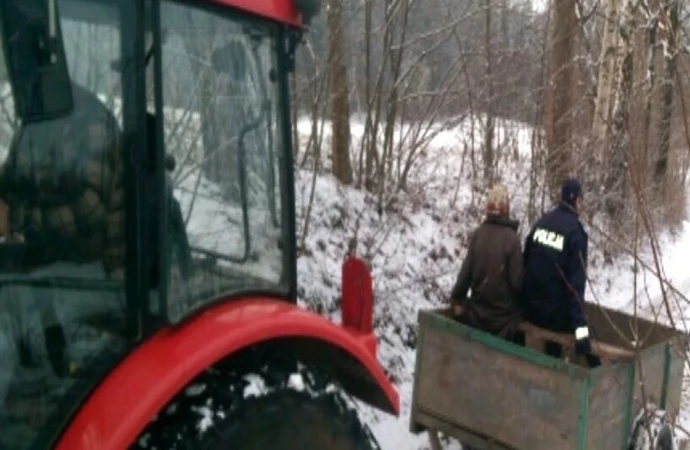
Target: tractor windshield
(223, 125)
(62, 242)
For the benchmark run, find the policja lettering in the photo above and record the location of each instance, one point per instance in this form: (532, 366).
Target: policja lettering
(549, 239)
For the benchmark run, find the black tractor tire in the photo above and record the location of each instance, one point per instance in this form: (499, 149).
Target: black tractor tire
(652, 430)
(292, 421)
(264, 407)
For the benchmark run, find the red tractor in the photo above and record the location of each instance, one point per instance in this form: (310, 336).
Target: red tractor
(148, 276)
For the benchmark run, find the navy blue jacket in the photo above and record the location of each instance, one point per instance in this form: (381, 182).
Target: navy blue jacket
(555, 264)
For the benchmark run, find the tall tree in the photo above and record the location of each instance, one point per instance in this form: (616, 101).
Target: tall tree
(651, 32)
(618, 154)
(490, 118)
(368, 149)
(340, 108)
(605, 84)
(559, 92)
(667, 88)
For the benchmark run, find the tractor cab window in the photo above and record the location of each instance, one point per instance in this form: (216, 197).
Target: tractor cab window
(62, 244)
(222, 125)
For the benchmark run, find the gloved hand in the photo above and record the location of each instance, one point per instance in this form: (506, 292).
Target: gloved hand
(582, 344)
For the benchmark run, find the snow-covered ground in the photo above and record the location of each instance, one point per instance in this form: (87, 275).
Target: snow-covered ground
(416, 247)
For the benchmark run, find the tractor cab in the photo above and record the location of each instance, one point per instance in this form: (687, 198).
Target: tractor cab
(145, 175)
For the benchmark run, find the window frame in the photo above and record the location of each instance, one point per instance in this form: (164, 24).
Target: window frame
(283, 152)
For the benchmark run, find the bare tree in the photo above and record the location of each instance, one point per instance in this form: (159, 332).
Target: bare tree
(559, 101)
(607, 67)
(340, 108)
(670, 51)
(490, 119)
(619, 151)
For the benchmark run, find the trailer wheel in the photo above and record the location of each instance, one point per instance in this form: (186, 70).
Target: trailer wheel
(274, 405)
(652, 430)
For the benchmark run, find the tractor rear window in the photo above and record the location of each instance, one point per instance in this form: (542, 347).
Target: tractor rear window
(223, 127)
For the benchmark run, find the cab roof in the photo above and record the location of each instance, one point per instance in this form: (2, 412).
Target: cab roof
(283, 11)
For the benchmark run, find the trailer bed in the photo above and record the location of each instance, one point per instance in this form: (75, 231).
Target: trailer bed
(493, 394)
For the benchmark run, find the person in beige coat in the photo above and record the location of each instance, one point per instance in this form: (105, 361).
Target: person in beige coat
(492, 270)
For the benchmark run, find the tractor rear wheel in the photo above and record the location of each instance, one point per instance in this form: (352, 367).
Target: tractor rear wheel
(292, 421)
(265, 404)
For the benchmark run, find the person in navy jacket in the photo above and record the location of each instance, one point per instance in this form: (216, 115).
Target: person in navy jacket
(555, 264)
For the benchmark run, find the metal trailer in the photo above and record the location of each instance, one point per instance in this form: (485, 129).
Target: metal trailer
(490, 393)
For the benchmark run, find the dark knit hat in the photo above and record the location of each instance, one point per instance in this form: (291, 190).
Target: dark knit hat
(570, 191)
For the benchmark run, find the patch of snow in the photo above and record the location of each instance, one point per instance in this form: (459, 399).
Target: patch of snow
(172, 408)
(296, 382)
(256, 387)
(144, 440)
(195, 390)
(206, 421)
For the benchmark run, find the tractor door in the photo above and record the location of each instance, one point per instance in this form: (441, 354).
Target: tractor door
(223, 102)
(69, 125)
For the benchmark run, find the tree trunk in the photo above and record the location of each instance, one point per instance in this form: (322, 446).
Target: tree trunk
(340, 108)
(559, 93)
(651, 39)
(605, 84)
(394, 51)
(661, 165)
(616, 179)
(366, 158)
(490, 119)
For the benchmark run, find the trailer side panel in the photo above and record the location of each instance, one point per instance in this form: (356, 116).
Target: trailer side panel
(491, 388)
(609, 406)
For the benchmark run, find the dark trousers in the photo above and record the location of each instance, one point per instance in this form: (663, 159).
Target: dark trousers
(558, 325)
(556, 350)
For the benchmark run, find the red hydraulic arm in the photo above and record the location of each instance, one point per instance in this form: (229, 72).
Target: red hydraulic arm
(358, 301)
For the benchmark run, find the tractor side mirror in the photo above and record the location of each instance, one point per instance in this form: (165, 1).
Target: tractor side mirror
(35, 58)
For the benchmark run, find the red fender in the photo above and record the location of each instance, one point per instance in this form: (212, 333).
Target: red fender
(124, 403)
